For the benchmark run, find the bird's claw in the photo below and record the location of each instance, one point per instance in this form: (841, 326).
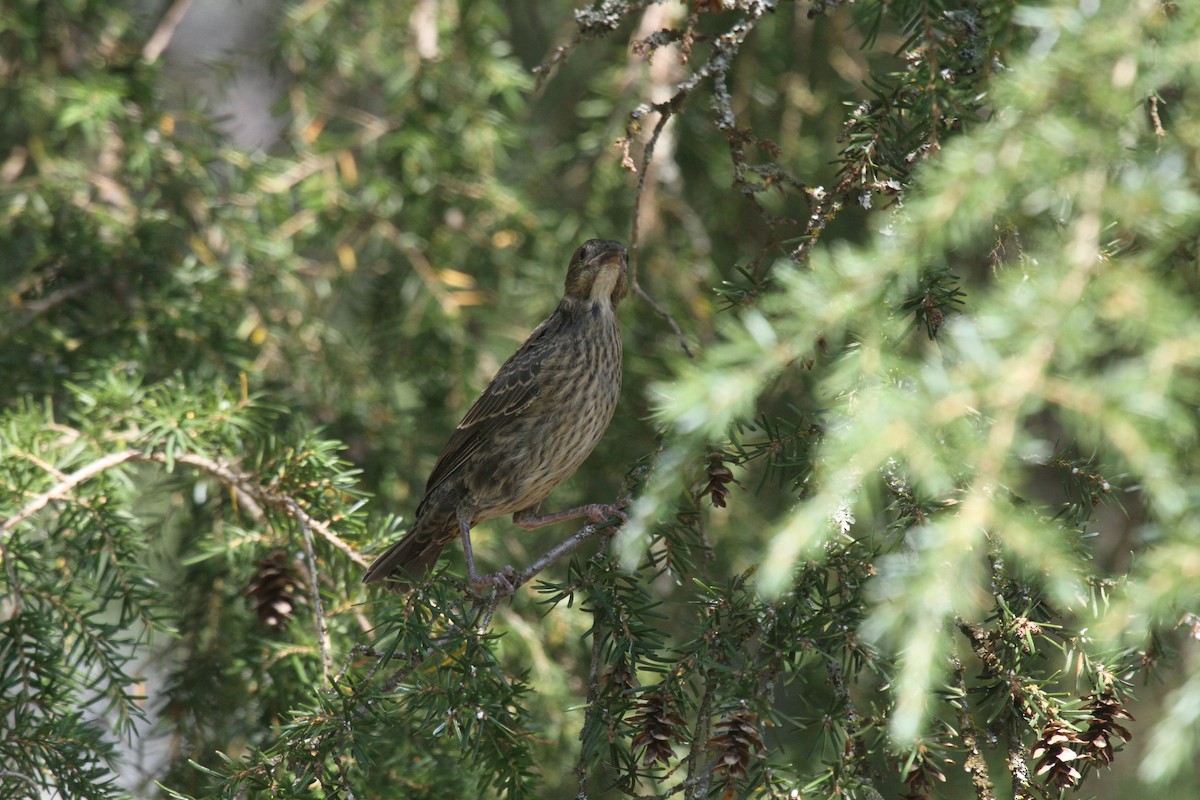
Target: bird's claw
(501, 581)
(600, 512)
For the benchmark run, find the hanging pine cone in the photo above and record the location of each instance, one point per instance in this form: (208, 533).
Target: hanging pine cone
(618, 678)
(924, 775)
(934, 317)
(658, 726)
(274, 590)
(736, 740)
(718, 476)
(1056, 751)
(1104, 732)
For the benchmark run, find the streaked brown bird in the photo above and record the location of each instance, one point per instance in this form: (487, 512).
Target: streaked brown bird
(533, 426)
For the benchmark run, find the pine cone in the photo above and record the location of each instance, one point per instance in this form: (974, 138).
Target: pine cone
(618, 678)
(1098, 740)
(736, 740)
(1056, 750)
(718, 476)
(273, 590)
(658, 726)
(922, 775)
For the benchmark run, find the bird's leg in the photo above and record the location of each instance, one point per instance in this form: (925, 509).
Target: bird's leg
(529, 519)
(501, 580)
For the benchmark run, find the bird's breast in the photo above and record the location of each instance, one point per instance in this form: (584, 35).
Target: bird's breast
(581, 382)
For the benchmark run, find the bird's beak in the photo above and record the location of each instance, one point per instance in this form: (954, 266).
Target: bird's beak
(609, 269)
(613, 258)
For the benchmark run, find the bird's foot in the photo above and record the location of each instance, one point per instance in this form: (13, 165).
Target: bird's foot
(600, 512)
(501, 581)
(529, 519)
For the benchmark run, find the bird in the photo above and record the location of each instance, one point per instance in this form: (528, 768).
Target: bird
(535, 423)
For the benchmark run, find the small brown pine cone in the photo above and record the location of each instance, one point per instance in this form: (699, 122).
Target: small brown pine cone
(657, 726)
(618, 678)
(736, 740)
(923, 775)
(1055, 752)
(274, 590)
(718, 476)
(1104, 732)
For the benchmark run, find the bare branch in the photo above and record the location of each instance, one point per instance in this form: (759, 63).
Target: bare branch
(725, 47)
(315, 587)
(1156, 123)
(563, 548)
(591, 23)
(165, 31)
(976, 765)
(355, 652)
(1018, 767)
(698, 772)
(666, 111)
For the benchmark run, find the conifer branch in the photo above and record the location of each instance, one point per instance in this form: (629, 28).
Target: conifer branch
(252, 494)
(60, 490)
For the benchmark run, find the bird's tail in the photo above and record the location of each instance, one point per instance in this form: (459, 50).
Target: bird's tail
(410, 560)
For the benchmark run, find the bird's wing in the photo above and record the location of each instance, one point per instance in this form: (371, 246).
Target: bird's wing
(513, 390)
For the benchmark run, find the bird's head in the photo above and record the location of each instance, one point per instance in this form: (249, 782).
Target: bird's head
(598, 273)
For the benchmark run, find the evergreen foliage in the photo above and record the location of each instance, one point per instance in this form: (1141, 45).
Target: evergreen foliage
(909, 427)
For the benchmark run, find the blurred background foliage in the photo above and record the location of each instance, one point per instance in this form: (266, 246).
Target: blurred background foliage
(909, 411)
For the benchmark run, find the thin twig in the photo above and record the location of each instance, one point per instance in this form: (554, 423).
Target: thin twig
(725, 47)
(563, 548)
(161, 38)
(666, 315)
(551, 556)
(14, 585)
(355, 652)
(1156, 118)
(315, 587)
(666, 111)
(413, 660)
(591, 23)
(542, 71)
(421, 265)
(43, 463)
(696, 773)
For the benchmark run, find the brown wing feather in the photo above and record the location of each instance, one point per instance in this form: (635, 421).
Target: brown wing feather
(511, 391)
